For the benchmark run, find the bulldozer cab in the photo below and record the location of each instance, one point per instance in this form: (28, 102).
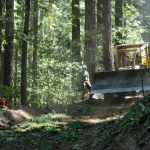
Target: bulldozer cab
(132, 56)
(132, 71)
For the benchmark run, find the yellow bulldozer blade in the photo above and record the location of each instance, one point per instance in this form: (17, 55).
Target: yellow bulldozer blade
(121, 81)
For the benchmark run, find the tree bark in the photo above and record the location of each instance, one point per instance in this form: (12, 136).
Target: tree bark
(90, 37)
(107, 37)
(118, 20)
(35, 50)
(99, 54)
(76, 30)
(9, 37)
(1, 23)
(41, 25)
(35, 40)
(99, 21)
(1, 39)
(15, 75)
(24, 55)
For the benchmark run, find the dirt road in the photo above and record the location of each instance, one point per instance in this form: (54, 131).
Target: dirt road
(99, 110)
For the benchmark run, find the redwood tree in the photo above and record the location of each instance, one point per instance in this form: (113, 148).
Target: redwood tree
(35, 39)
(99, 53)
(1, 39)
(9, 37)
(8, 47)
(1, 23)
(76, 30)
(107, 36)
(118, 20)
(90, 36)
(99, 21)
(24, 55)
(35, 49)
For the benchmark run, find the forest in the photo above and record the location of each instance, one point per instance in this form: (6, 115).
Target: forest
(43, 46)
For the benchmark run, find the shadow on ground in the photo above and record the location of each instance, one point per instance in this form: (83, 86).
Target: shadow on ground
(89, 125)
(98, 110)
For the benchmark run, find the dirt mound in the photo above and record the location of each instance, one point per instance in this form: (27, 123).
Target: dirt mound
(10, 116)
(100, 109)
(130, 137)
(137, 138)
(133, 131)
(92, 125)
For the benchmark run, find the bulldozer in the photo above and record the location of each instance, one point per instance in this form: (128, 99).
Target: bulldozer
(132, 71)
(132, 56)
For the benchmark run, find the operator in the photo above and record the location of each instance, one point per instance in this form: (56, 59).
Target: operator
(124, 60)
(85, 83)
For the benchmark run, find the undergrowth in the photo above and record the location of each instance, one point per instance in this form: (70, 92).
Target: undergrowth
(136, 116)
(57, 129)
(31, 131)
(139, 111)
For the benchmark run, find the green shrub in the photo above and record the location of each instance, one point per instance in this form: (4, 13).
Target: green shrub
(6, 92)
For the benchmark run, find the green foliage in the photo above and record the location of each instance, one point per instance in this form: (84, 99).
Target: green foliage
(44, 123)
(6, 92)
(55, 66)
(132, 29)
(134, 116)
(56, 69)
(72, 131)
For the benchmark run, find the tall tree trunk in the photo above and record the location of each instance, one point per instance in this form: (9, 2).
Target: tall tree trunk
(1, 39)
(99, 21)
(24, 55)
(99, 54)
(118, 20)
(41, 25)
(1, 22)
(76, 30)
(35, 46)
(9, 37)
(90, 37)
(124, 20)
(15, 75)
(107, 37)
(35, 41)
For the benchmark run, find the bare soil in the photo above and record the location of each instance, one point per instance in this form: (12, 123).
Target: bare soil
(10, 116)
(99, 121)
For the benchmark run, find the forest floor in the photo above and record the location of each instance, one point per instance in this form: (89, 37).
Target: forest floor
(94, 124)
